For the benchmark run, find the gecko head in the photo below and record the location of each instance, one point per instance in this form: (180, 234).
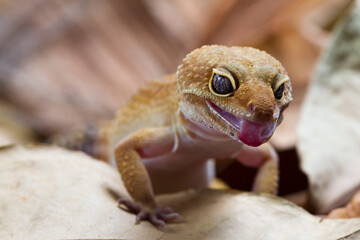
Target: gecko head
(238, 91)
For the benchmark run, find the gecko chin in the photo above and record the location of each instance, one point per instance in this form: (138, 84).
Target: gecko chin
(251, 133)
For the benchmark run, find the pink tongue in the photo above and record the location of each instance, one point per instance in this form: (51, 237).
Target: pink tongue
(250, 133)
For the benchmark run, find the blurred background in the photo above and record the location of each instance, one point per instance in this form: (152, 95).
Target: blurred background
(70, 63)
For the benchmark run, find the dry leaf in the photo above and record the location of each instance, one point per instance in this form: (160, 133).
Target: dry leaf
(329, 129)
(52, 193)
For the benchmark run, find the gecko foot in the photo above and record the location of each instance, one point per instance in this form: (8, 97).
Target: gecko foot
(158, 218)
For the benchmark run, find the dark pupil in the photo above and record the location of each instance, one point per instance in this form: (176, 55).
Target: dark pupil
(279, 92)
(222, 84)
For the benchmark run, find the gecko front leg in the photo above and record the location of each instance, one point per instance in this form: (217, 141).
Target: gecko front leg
(265, 158)
(145, 143)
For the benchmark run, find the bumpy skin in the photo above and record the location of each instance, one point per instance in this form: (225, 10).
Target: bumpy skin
(163, 139)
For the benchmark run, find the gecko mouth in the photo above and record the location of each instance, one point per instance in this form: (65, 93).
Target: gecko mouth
(250, 133)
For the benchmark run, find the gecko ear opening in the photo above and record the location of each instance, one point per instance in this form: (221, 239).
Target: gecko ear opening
(222, 83)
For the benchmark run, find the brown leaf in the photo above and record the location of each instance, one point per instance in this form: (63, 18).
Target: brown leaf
(329, 129)
(52, 193)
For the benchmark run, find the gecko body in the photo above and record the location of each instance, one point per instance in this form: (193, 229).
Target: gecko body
(222, 102)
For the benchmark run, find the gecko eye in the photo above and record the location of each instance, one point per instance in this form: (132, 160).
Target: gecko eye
(222, 83)
(278, 93)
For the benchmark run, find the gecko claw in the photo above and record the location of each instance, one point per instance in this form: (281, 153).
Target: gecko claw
(139, 217)
(158, 218)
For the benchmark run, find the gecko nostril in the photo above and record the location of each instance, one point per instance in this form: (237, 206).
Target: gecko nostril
(263, 116)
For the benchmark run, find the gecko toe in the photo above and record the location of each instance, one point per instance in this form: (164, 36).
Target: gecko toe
(169, 217)
(159, 223)
(158, 218)
(129, 205)
(166, 210)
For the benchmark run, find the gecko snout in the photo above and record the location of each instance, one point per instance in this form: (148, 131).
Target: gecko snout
(263, 116)
(262, 106)
(261, 113)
